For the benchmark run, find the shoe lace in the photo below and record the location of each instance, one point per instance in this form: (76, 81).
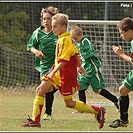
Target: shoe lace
(29, 118)
(117, 120)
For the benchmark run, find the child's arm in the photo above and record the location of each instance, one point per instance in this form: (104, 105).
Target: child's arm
(52, 73)
(80, 69)
(37, 52)
(119, 52)
(78, 60)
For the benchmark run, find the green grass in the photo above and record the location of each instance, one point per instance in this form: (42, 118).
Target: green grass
(16, 106)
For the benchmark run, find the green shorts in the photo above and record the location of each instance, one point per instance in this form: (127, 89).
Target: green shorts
(96, 82)
(128, 82)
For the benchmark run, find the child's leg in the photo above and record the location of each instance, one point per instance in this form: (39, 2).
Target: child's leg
(108, 95)
(82, 95)
(49, 98)
(39, 99)
(38, 104)
(124, 105)
(37, 108)
(81, 106)
(97, 84)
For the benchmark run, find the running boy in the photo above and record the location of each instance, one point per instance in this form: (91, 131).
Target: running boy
(91, 63)
(42, 44)
(63, 76)
(125, 27)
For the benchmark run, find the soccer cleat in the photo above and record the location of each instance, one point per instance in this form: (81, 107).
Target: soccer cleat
(31, 123)
(47, 117)
(100, 117)
(118, 123)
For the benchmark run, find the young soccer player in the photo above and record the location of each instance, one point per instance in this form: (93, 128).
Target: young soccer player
(91, 63)
(125, 27)
(63, 76)
(42, 43)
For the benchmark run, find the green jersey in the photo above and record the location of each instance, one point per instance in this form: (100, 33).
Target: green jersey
(46, 43)
(90, 61)
(128, 81)
(131, 49)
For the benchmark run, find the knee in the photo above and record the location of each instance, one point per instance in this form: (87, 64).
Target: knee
(99, 91)
(69, 104)
(39, 91)
(122, 91)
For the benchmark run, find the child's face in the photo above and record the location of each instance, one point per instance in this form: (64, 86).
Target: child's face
(57, 27)
(126, 35)
(78, 38)
(47, 20)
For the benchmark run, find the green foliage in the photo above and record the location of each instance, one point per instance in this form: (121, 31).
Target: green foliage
(19, 19)
(13, 31)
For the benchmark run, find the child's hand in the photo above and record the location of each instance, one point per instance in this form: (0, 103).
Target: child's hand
(51, 75)
(39, 54)
(81, 71)
(117, 49)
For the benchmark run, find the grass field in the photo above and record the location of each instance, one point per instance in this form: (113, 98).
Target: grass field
(16, 106)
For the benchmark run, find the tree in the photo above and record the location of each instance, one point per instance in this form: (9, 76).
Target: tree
(12, 28)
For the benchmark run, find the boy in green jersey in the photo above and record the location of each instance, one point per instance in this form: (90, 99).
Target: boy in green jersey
(42, 43)
(125, 27)
(91, 63)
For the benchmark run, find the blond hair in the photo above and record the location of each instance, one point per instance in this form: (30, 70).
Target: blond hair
(62, 18)
(75, 31)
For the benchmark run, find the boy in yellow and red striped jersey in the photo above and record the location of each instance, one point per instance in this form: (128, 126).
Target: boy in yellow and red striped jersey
(63, 75)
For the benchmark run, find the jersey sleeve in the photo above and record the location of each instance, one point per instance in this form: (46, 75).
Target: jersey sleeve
(131, 59)
(131, 55)
(33, 41)
(87, 49)
(76, 49)
(66, 49)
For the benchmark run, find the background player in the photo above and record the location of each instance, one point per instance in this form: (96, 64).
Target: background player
(42, 43)
(91, 63)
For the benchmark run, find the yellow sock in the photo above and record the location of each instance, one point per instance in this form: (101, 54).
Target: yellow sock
(37, 108)
(82, 107)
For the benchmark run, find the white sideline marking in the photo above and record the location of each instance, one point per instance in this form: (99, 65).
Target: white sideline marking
(106, 104)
